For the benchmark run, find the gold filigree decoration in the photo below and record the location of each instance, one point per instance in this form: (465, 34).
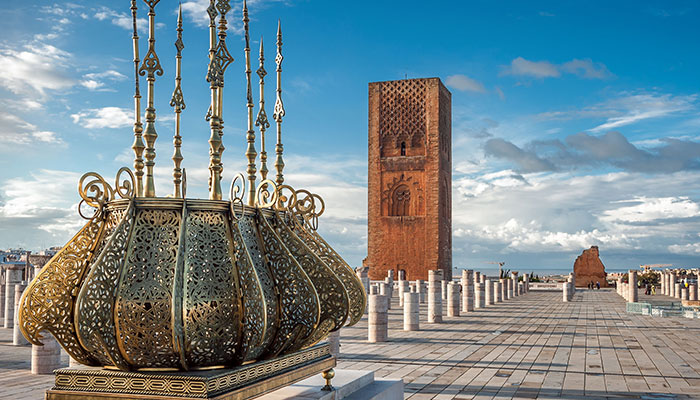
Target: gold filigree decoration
(211, 304)
(142, 311)
(94, 305)
(266, 194)
(299, 303)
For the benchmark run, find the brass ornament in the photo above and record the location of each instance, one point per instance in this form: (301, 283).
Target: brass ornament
(178, 284)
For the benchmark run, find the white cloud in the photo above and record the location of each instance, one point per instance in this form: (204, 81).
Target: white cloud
(96, 80)
(651, 209)
(584, 68)
(536, 69)
(638, 107)
(122, 19)
(15, 130)
(105, 117)
(692, 249)
(464, 83)
(37, 68)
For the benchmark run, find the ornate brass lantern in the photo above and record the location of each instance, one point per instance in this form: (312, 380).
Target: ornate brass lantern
(176, 283)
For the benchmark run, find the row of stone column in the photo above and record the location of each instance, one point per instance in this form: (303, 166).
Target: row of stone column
(44, 359)
(670, 286)
(474, 289)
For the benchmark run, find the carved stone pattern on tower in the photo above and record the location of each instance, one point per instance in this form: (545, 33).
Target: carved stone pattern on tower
(402, 111)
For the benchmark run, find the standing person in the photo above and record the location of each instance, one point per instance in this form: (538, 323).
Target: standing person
(653, 290)
(597, 285)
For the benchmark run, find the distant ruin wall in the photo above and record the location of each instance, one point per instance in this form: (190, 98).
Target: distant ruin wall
(588, 268)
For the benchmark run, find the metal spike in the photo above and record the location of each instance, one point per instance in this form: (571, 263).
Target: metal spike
(178, 102)
(279, 112)
(261, 121)
(150, 67)
(250, 136)
(138, 145)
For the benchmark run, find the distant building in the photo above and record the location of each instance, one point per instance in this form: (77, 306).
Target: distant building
(410, 178)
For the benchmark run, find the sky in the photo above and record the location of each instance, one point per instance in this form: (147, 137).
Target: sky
(574, 123)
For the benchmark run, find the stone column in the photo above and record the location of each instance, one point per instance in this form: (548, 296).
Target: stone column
(677, 290)
(633, 296)
(403, 288)
(435, 296)
(565, 292)
(421, 291)
(444, 289)
(453, 299)
(521, 288)
(619, 286)
(374, 289)
(498, 290)
(46, 358)
(693, 292)
(684, 293)
(402, 275)
(13, 275)
(477, 277)
(482, 278)
(385, 290)
(411, 311)
(2, 298)
(513, 286)
(377, 323)
(333, 341)
(672, 284)
(504, 289)
(526, 283)
(479, 295)
(488, 289)
(364, 278)
(17, 338)
(467, 291)
(662, 289)
(390, 275)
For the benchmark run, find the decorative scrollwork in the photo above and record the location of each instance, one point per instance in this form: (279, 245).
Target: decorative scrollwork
(235, 195)
(266, 194)
(284, 201)
(217, 67)
(125, 189)
(96, 192)
(151, 64)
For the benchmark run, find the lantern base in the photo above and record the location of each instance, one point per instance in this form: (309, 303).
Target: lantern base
(244, 382)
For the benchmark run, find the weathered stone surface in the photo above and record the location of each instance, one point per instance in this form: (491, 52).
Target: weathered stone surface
(589, 268)
(410, 179)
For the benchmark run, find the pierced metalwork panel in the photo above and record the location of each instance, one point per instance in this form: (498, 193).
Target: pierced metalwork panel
(331, 292)
(250, 238)
(142, 314)
(48, 301)
(299, 305)
(211, 305)
(356, 292)
(253, 299)
(95, 303)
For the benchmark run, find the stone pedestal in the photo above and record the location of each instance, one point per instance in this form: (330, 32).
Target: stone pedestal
(488, 289)
(403, 288)
(526, 283)
(2, 299)
(334, 343)
(677, 290)
(477, 277)
(421, 291)
(672, 285)
(385, 290)
(435, 296)
(521, 288)
(374, 289)
(479, 295)
(377, 323)
(504, 289)
(453, 293)
(684, 293)
(633, 296)
(17, 338)
(565, 292)
(467, 291)
(411, 312)
(46, 358)
(511, 287)
(693, 292)
(662, 281)
(13, 275)
(444, 290)
(498, 291)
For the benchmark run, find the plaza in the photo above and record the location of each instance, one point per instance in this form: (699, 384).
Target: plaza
(531, 346)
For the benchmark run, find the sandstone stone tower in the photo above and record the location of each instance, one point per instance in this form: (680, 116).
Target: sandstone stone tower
(410, 178)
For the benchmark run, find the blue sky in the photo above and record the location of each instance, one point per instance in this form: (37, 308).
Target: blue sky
(573, 124)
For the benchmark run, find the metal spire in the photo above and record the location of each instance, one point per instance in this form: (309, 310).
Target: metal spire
(250, 136)
(150, 67)
(178, 102)
(220, 60)
(279, 113)
(138, 145)
(261, 120)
